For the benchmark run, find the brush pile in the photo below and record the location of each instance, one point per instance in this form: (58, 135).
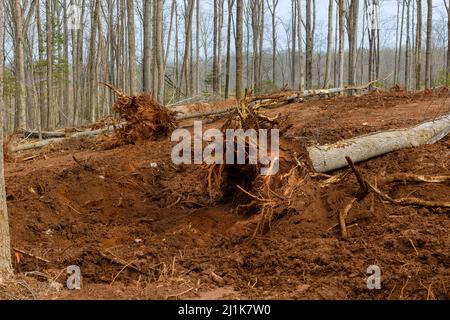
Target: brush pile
(142, 118)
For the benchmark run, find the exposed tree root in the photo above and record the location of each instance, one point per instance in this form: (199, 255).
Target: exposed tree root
(408, 177)
(268, 197)
(144, 118)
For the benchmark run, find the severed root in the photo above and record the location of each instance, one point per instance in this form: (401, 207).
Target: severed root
(364, 188)
(409, 201)
(402, 177)
(408, 177)
(343, 216)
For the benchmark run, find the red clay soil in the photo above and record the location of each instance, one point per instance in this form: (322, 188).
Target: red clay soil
(107, 209)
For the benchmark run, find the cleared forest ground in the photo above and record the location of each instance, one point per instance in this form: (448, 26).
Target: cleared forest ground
(143, 231)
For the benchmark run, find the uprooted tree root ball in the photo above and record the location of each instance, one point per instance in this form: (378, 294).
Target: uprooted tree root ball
(143, 118)
(268, 197)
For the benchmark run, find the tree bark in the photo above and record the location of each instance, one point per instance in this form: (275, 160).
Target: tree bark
(239, 49)
(147, 60)
(158, 14)
(92, 100)
(329, 44)
(5, 246)
(341, 43)
(332, 156)
(419, 45)
(428, 48)
(19, 65)
(48, 14)
(131, 47)
(228, 62)
(309, 45)
(447, 6)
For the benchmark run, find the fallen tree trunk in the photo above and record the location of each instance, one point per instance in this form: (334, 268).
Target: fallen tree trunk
(43, 143)
(44, 134)
(36, 145)
(330, 157)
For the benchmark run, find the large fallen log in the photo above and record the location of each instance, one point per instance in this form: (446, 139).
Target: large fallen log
(43, 143)
(44, 134)
(330, 157)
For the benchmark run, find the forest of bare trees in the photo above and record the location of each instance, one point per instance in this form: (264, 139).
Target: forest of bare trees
(94, 93)
(57, 53)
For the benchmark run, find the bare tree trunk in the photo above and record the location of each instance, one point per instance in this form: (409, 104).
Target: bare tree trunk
(352, 39)
(48, 14)
(187, 46)
(215, 44)
(92, 100)
(332, 156)
(419, 45)
(294, 39)
(408, 46)
(428, 49)
(158, 14)
(341, 43)
(5, 246)
(329, 44)
(147, 60)
(197, 49)
(309, 45)
(19, 65)
(447, 6)
(228, 62)
(131, 47)
(219, 46)
(66, 88)
(397, 42)
(401, 41)
(78, 67)
(273, 12)
(239, 51)
(301, 85)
